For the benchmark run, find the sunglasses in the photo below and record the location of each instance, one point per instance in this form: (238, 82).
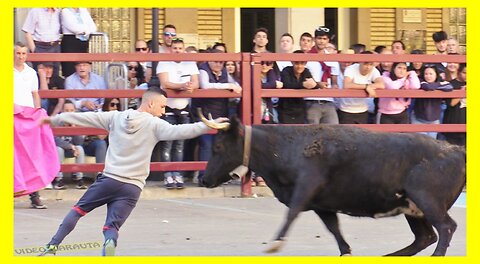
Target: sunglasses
(170, 34)
(324, 29)
(141, 49)
(112, 104)
(132, 68)
(268, 63)
(177, 39)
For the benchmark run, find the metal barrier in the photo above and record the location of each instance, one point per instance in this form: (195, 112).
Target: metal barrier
(98, 43)
(116, 77)
(251, 94)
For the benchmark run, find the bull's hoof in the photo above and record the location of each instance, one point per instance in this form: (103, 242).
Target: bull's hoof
(275, 247)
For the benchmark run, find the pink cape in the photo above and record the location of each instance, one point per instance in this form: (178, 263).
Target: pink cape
(35, 155)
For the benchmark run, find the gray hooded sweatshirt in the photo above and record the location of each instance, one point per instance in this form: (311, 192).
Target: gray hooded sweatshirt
(132, 137)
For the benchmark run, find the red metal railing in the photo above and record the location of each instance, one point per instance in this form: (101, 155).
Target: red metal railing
(252, 93)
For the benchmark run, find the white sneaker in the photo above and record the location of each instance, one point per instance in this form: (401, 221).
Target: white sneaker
(169, 182)
(48, 187)
(179, 182)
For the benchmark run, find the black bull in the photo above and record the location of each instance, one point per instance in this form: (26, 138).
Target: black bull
(334, 169)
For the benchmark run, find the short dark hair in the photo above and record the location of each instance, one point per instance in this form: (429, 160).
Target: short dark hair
(417, 51)
(169, 26)
(219, 44)
(306, 34)
(287, 35)
(366, 52)
(399, 41)
(20, 44)
(379, 49)
(261, 29)
(358, 47)
(439, 36)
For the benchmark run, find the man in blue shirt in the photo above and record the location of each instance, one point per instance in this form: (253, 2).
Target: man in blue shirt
(84, 79)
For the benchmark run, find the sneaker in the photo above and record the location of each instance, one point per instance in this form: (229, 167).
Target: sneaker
(58, 184)
(179, 182)
(37, 203)
(109, 248)
(49, 187)
(49, 250)
(80, 184)
(169, 182)
(77, 176)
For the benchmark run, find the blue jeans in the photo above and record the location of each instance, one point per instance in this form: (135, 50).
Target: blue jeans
(173, 150)
(416, 120)
(205, 150)
(97, 148)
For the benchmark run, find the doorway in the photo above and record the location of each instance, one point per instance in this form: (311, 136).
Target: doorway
(253, 18)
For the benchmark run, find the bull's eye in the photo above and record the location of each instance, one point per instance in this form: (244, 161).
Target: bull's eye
(218, 148)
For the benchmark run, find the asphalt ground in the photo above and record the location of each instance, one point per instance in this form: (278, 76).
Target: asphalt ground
(216, 226)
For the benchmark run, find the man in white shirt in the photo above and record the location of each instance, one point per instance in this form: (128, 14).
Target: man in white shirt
(42, 32)
(25, 79)
(25, 93)
(360, 76)
(178, 76)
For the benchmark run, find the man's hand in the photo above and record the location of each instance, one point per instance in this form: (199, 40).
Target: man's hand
(309, 83)
(234, 88)
(45, 121)
(220, 120)
(371, 91)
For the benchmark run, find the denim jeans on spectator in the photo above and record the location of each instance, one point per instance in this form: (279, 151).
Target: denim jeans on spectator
(62, 154)
(205, 150)
(173, 150)
(416, 120)
(97, 148)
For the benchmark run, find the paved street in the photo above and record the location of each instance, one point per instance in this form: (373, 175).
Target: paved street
(216, 226)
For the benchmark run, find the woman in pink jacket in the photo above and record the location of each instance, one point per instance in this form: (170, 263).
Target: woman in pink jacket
(394, 110)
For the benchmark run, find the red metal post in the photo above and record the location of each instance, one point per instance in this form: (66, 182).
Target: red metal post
(246, 186)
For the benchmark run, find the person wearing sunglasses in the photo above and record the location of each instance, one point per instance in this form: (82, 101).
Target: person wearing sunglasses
(179, 76)
(169, 32)
(141, 46)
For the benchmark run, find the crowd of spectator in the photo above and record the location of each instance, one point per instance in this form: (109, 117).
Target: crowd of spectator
(76, 25)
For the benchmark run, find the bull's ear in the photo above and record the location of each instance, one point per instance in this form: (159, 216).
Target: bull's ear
(236, 126)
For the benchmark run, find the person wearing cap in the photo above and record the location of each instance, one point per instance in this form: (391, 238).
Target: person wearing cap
(42, 32)
(84, 79)
(50, 80)
(322, 110)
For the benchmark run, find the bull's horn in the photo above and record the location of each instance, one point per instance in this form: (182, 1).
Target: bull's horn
(212, 124)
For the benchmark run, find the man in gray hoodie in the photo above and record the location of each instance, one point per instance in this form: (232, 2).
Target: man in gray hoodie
(132, 136)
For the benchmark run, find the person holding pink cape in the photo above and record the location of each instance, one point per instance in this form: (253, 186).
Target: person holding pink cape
(35, 158)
